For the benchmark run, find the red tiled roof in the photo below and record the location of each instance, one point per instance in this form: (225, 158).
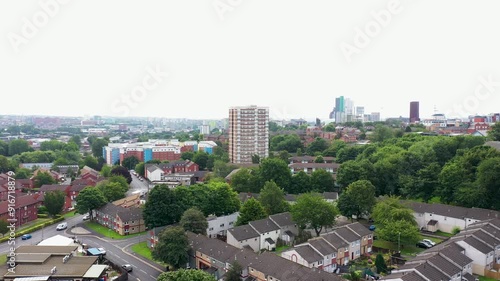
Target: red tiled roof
(21, 201)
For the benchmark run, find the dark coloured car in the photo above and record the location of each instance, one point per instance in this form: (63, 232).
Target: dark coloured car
(372, 227)
(422, 244)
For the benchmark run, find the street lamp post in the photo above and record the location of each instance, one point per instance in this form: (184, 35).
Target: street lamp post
(399, 242)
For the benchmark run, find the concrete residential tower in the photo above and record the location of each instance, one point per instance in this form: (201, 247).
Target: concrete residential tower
(248, 133)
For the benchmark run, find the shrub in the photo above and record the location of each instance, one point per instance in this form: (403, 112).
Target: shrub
(455, 230)
(42, 215)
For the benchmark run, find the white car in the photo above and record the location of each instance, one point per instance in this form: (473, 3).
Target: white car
(103, 252)
(432, 243)
(62, 226)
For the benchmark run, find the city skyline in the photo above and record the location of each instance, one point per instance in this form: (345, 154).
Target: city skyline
(192, 60)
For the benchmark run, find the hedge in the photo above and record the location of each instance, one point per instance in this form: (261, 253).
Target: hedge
(43, 215)
(33, 228)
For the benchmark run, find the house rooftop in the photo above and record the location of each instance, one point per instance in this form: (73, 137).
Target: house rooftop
(264, 225)
(243, 232)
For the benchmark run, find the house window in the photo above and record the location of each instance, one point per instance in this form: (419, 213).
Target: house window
(320, 262)
(222, 225)
(231, 223)
(210, 229)
(255, 239)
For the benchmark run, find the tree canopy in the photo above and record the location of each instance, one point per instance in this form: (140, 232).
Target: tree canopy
(172, 247)
(186, 275)
(312, 211)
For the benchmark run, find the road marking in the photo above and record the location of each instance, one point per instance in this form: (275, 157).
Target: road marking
(152, 276)
(143, 271)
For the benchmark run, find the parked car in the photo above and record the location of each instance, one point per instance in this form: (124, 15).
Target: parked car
(424, 245)
(372, 227)
(428, 241)
(86, 217)
(127, 267)
(103, 252)
(62, 226)
(26, 237)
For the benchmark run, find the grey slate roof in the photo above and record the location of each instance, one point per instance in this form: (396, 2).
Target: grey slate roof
(334, 240)
(444, 265)
(347, 234)
(478, 245)
(412, 276)
(430, 272)
(454, 252)
(264, 226)
(125, 214)
(243, 232)
(308, 253)
(282, 219)
(453, 211)
(322, 246)
(359, 229)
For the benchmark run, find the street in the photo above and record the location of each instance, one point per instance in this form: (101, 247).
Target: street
(116, 250)
(137, 186)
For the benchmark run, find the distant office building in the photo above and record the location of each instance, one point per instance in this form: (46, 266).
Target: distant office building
(360, 110)
(248, 133)
(375, 116)
(204, 129)
(339, 111)
(414, 111)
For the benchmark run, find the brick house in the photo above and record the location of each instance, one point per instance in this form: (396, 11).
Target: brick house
(25, 209)
(123, 216)
(64, 188)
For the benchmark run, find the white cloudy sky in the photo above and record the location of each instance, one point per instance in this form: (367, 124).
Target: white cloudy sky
(89, 56)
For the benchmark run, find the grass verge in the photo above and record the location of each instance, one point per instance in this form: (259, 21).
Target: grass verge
(445, 234)
(483, 278)
(69, 214)
(108, 232)
(142, 249)
(3, 259)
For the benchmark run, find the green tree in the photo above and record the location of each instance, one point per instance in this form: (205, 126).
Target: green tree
(400, 231)
(88, 199)
(318, 145)
(162, 207)
(301, 183)
(4, 164)
(234, 272)
(222, 200)
(52, 145)
(187, 155)
(130, 162)
(122, 171)
(351, 171)
(284, 155)
(250, 211)
(255, 159)
(322, 181)
(277, 170)
(91, 162)
(76, 140)
(488, 179)
(97, 146)
(272, 198)
(389, 209)
(358, 199)
(380, 262)
(140, 169)
(105, 171)
(494, 133)
(18, 146)
(112, 191)
(201, 158)
(382, 133)
(172, 247)
(319, 159)
(4, 148)
(299, 152)
(54, 202)
(4, 227)
(22, 173)
(312, 211)
(244, 181)
(42, 178)
(186, 275)
(193, 220)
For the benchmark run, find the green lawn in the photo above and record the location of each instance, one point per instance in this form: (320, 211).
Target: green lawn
(482, 278)
(406, 250)
(143, 250)
(69, 214)
(33, 223)
(3, 259)
(445, 234)
(281, 249)
(108, 232)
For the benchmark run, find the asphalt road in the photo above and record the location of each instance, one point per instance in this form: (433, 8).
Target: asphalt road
(137, 186)
(116, 250)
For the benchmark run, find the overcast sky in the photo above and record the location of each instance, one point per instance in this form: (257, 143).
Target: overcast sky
(195, 59)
